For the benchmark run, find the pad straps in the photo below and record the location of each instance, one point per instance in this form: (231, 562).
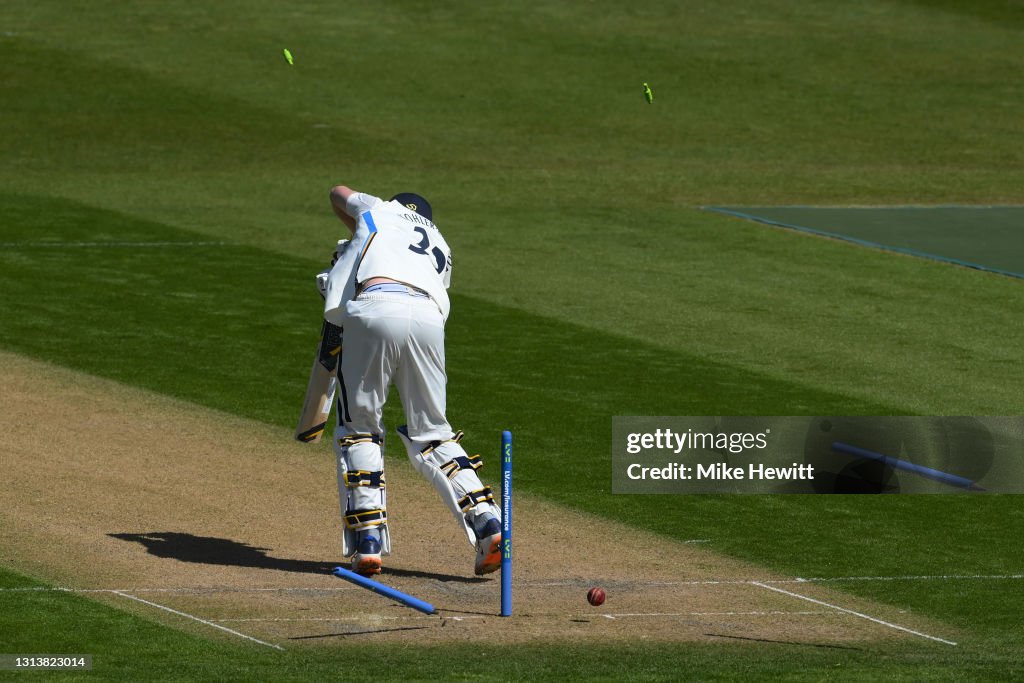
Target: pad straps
(357, 478)
(365, 519)
(459, 463)
(474, 498)
(353, 439)
(456, 437)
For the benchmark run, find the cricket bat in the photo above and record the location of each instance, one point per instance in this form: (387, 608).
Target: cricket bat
(323, 382)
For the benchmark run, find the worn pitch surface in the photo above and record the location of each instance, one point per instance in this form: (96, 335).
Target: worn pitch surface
(109, 488)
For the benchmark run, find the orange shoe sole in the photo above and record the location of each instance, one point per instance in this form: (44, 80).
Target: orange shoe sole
(491, 561)
(368, 566)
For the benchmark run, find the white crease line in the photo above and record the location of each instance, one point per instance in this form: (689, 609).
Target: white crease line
(857, 614)
(646, 584)
(819, 579)
(202, 621)
(613, 615)
(54, 589)
(360, 619)
(657, 584)
(228, 589)
(761, 584)
(937, 577)
(193, 590)
(754, 613)
(531, 584)
(62, 245)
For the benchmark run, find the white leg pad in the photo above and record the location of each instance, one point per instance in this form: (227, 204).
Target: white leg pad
(361, 490)
(453, 474)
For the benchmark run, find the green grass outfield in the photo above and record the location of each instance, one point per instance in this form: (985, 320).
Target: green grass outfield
(587, 281)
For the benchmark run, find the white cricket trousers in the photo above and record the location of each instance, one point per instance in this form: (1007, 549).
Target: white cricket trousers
(396, 338)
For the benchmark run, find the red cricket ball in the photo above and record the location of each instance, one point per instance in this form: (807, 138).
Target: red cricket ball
(595, 596)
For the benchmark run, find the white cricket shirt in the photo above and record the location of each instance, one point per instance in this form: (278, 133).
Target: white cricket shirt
(394, 242)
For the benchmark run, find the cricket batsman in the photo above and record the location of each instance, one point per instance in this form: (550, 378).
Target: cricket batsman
(387, 289)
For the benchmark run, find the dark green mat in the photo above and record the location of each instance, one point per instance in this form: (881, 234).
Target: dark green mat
(986, 237)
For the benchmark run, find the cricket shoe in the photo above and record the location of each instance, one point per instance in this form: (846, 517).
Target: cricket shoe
(366, 561)
(488, 546)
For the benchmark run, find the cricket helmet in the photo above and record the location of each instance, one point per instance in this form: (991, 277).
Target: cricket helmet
(414, 202)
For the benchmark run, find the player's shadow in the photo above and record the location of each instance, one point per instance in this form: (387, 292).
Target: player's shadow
(223, 551)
